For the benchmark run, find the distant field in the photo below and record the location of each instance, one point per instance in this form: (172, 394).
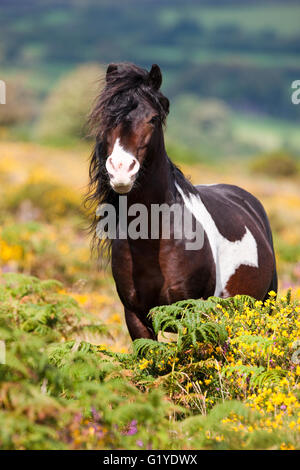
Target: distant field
(245, 135)
(245, 56)
(282, 19)
(251, 58)
(266, 132)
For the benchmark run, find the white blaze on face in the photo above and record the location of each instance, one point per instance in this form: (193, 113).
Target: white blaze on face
(122, 168)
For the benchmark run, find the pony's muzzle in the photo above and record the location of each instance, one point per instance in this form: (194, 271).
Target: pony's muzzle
(122, 173)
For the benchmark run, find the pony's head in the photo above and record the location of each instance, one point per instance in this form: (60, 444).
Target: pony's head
(127, 118)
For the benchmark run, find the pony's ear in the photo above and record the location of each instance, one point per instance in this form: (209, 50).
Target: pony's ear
(155, 77)
(110, 69)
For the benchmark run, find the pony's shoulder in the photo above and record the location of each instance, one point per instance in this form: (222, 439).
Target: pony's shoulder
(222, 191)
(221, 199)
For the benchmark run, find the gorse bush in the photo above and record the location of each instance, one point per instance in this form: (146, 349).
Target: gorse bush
(49, 199)
(277, 164)
(238, 337)
(230, 352)
(39, 249)
(228, 378)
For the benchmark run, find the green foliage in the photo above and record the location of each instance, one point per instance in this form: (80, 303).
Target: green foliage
(227, 351)
(57, 392)
(189, 320)
(67, 107)
(227, 427)
(223, 381)
(207, 128)
(257, 377)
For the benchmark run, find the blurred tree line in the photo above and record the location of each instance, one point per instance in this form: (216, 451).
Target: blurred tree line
(214, 72)
(247, 67)
(65, 111)
(61, 117)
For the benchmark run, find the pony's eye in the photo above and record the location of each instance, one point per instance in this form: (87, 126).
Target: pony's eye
(127, 120)
(154, 119)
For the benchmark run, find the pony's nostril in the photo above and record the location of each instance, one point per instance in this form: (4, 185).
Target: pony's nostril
(110, 167)
(132, 165)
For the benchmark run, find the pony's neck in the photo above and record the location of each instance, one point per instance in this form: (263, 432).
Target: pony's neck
(156, 184)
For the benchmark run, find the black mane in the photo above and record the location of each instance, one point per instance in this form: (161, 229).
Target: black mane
(125, 87)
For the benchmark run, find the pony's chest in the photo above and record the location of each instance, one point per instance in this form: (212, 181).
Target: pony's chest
(147, 276)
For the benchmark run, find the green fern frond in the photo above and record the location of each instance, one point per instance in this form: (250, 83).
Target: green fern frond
(259, 342)
(144, 347)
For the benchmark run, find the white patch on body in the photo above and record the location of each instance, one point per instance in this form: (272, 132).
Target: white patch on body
(122, 167)
(228, 256)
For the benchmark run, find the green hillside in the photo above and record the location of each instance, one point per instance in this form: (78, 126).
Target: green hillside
(243, 52)
(233, 61)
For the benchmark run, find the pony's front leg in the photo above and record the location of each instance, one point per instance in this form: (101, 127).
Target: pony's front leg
(137, 328)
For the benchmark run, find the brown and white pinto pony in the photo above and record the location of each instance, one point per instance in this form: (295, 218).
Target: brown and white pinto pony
(237, 256)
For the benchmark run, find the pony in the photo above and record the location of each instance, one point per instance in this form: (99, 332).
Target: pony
(130, 160)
